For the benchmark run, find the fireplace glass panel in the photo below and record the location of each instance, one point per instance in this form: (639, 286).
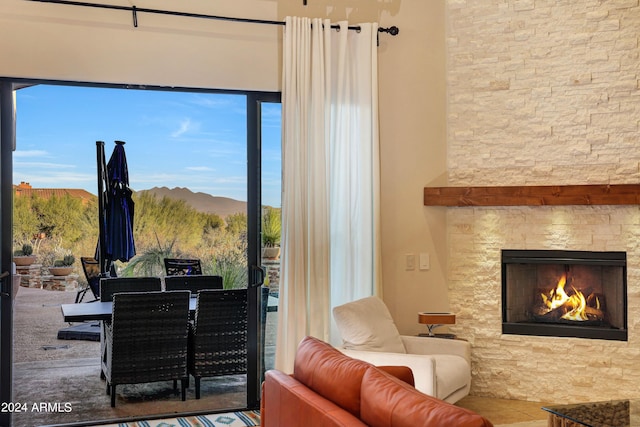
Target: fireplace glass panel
(564, 293)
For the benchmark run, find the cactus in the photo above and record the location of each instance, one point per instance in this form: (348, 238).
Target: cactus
(67, 261)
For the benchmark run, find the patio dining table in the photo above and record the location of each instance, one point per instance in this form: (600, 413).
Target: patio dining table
(101, 310)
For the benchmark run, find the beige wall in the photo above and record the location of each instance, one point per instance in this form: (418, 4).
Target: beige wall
(73, 43)
(97, 45)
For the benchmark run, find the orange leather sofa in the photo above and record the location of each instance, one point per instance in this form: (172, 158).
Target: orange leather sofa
(328, 389)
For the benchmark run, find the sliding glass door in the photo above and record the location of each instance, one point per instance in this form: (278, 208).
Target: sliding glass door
(189, 153)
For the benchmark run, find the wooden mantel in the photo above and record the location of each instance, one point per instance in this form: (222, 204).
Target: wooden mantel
(533, 195)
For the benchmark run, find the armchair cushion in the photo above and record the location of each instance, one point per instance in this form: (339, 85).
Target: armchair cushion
(367, 325)
(441, 367)
(439, 375)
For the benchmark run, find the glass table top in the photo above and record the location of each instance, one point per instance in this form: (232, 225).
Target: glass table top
(613, 413)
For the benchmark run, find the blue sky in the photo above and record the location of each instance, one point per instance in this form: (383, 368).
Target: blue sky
(173, 139)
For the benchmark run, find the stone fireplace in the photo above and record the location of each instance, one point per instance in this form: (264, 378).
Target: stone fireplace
(580, 294)
(542, 367)
(541, 93)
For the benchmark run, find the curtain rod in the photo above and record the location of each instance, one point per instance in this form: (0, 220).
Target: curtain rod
(134, 10)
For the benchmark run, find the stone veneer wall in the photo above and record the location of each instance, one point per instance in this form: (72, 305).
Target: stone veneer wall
(542, 92)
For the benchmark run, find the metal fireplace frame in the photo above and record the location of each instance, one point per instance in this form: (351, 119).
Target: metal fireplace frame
(614, 259)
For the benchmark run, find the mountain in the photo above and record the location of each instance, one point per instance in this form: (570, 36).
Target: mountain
(202, 202)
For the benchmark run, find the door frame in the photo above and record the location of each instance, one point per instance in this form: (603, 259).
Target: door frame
(255, 353)
(254, 99)
(7, 137)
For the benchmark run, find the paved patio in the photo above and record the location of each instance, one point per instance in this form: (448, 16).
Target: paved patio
(63, 376)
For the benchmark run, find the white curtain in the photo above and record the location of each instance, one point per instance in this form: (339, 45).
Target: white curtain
(330, 202)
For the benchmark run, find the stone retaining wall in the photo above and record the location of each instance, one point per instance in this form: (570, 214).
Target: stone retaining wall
(32, 277)
(273, 273)
(60, 283)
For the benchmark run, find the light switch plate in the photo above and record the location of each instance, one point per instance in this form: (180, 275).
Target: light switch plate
(424, 261)
(410, 262)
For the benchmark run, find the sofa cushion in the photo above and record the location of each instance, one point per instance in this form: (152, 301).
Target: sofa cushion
(388, 402)
(330, 373)
(286, 402)
(366, 324)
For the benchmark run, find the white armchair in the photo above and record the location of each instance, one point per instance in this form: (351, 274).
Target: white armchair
(441, 367)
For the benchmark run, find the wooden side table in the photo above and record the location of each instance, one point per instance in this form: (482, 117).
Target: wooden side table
(433, 320)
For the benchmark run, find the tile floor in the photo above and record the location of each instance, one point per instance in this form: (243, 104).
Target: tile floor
(504, 411)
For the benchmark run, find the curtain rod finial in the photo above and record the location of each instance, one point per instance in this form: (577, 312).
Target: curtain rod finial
(391, 30)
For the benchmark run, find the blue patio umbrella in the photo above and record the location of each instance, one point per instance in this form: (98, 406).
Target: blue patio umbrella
(116, 209)
(120, 244)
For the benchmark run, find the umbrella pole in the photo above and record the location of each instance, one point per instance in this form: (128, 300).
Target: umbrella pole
(102, 245)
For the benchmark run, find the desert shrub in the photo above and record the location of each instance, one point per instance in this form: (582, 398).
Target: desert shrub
(271, 227)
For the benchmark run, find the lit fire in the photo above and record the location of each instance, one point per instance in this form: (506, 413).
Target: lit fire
(575, 304)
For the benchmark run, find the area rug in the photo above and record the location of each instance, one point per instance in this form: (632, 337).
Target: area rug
(227, 419)
(535, 423)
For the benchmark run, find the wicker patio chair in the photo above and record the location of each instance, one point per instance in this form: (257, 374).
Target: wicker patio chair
(192, 283)
(182, 267)
(112, 285)
(218, 336)
(146, 340)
